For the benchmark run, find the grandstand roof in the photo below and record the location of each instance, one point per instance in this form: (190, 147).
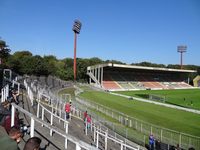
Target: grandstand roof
(140, 67)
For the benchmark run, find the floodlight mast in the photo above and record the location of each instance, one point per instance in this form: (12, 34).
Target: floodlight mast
(181, 49)
(76, 28)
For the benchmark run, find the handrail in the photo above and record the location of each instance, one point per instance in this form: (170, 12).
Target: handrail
(52, 114)
(100, 131)
(67, 136)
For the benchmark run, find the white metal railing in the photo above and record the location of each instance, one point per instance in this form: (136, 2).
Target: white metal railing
(52, 115)
(79, 144)
(57, 104)
(97, 130)
(4, 93)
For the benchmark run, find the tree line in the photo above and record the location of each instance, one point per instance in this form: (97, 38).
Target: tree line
(24, 62)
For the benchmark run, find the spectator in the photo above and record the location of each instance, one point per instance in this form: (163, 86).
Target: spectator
(15, 96)
(67, 110)
(88, 121)
(10, 141)
(151, 142)
(7, 122)
(157, 144)
(177, 147)
(4, 111)
(32, 144)
(85, 115)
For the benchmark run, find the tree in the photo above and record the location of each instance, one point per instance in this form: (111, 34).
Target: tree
(4, 52)
(114, 62)
(21, 62)
(51, 64)
(149, 64)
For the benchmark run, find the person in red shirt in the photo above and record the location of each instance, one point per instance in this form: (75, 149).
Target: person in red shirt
(85, 116)
(7, 122)
(88, 121)
(67, 110)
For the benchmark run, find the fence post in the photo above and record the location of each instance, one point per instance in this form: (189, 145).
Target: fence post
(125, 144)
(97, 145)
(2, 96)
(38, 109)
(85, 126)
(42, 115)
(121, 146)
(115, 137)
(60, 114)
(32, 127)
(65, 143)
(51, 121)
(7, 91)
(180, 140)
(4, 93)
(12, 116)
(161, 132)
(136, 124)
(106, 139)
(94, 133)
(66, 131)
(66, 128)
(80, 114)
(91, 125)
(130, 125)
(78, 147)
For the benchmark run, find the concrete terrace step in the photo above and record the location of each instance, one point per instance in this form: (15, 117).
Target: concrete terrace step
(55, 142)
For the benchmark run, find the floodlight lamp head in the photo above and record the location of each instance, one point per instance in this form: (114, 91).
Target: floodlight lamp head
(182, 48)
(77, 26)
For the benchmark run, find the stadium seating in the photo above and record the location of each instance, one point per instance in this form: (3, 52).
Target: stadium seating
(136, 81)
(109, 83)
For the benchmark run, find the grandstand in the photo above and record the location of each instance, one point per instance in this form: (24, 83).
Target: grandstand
(129, 77)
(196, 81)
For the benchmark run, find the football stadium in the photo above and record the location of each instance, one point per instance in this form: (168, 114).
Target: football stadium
(113, 96)
(159, 98)
(119, 107)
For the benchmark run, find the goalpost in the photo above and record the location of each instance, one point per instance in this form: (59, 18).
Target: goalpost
(161, 98)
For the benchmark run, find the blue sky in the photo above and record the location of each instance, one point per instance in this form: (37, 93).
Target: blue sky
(130, 31)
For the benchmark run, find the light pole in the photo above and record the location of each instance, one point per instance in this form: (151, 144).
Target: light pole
(76, 28)
(181, 49)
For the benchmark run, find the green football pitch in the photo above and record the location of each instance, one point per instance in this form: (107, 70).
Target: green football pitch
(189, 98)
(174, 119)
